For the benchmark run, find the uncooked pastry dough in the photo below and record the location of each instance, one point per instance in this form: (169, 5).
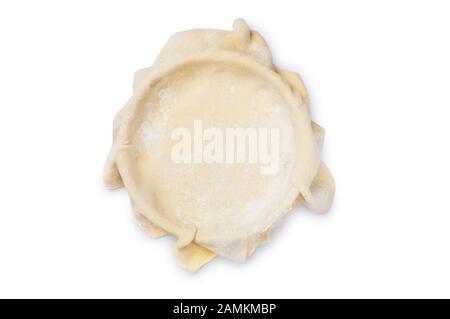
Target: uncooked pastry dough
(226, 79)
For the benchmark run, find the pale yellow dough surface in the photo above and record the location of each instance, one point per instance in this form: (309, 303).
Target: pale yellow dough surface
(226, 79)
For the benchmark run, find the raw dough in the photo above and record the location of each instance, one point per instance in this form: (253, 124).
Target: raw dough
(226, 79)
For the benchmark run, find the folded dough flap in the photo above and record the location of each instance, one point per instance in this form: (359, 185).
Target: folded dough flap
(296, 82)
(321, 191)
(149, 227)
(192, 256)
(319, 133)
(111, 174)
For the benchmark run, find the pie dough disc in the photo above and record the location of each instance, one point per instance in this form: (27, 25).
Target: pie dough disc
(211, 79)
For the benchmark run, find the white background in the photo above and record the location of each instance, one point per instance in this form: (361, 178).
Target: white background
(378, 73)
